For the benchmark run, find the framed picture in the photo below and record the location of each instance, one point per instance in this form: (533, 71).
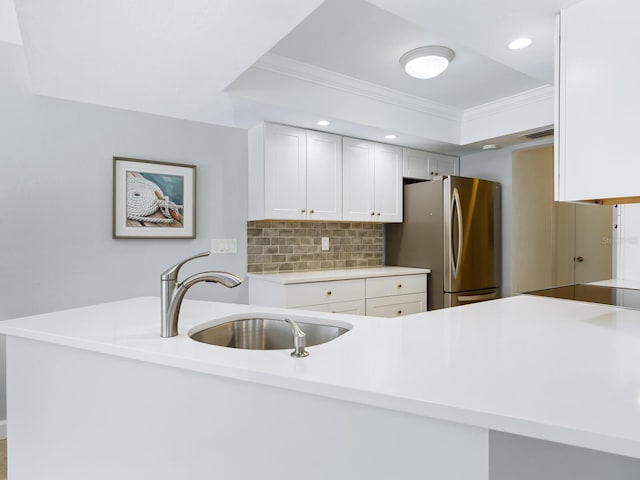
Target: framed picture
(153, 199)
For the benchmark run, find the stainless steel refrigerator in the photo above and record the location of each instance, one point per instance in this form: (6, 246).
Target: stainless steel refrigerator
(453, 227)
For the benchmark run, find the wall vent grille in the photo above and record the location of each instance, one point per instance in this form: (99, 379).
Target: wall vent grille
(539, 134)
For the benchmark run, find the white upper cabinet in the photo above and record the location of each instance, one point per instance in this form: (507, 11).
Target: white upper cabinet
(440, 165)
(415, 164)
(372, 182)
(285, 166)
(423, 165)
(387, 183)
(294, 174)
(357, 193)
(324, 176)
(597, 101)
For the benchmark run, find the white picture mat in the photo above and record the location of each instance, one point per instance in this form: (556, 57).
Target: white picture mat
(120, 191)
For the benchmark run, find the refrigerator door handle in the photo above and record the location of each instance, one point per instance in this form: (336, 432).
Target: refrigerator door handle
(455, 205)
(476, 298)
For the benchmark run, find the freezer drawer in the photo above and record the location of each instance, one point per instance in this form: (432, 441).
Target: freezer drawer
(463, 298)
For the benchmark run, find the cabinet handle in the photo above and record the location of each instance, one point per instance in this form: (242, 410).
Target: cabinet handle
(303, 210)
(378, 213)
(399, 285)
(373, 213)
(311, 211)
(329, 292)
(399, 312)
(433, 173)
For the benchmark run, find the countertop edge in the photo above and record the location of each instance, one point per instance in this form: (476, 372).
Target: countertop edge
(287, 278)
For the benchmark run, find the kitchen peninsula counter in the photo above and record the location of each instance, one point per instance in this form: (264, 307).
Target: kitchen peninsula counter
(547, 369)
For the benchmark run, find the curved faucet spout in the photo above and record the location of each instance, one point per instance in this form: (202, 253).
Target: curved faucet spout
(229, 280)
(173, 292)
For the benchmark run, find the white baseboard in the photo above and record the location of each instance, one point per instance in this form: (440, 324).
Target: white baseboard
(3, 429)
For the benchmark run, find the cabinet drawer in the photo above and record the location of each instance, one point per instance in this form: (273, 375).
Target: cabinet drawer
(397, 306)
(352, 307)
(318, 293)
(396, 285)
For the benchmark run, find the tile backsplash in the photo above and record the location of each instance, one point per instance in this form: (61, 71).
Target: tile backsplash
(285, 246)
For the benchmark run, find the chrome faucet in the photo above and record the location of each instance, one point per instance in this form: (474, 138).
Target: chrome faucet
(173, 292)
(299, 340)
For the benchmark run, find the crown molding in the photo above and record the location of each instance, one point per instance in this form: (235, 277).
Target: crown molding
(327, 78)
(502, 105)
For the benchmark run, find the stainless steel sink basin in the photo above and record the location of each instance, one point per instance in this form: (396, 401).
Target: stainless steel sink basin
(266, 332)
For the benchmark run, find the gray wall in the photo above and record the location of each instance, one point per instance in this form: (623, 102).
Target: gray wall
(495, 165)
(56, 249)
(515, 457)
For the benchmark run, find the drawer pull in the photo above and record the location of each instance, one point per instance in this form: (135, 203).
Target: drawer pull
(329, 292)
(399, 312)
(399, 285)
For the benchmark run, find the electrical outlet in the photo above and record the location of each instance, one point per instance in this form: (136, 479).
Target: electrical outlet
(325, 244)
(224, 245)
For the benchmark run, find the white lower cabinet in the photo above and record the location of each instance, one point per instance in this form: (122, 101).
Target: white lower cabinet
(396, 296)
(389, 296)
(397, 305)
(354, 307)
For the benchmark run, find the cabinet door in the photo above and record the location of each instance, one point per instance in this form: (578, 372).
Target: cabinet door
(358, 174)
(395, 285)
(387, 183)
(318, 293)
(396, 306)
(598, 101)
(441, 165)
(354, 307)
(415, 164)
(324, 176)
(285, 172)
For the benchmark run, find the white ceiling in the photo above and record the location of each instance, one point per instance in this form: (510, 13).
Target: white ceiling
(358, 39)
(237, 62)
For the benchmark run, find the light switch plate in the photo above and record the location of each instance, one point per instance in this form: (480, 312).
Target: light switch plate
(325, 244)
(224, 245)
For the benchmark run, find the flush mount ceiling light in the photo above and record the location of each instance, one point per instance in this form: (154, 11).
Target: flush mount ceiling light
(324, 123)
(391, 136)
(427, 62)
(519, 43)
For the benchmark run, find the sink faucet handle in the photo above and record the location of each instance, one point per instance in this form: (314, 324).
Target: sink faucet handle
(172, 273)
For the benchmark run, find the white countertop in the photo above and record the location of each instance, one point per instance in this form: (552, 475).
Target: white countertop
(544, 368)
(633, 284)
(338, 274)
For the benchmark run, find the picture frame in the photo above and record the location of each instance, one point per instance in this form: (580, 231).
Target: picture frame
(153, 199)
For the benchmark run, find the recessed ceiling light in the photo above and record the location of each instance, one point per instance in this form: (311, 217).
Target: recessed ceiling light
(489, 146)
(518, 43)
(324, 123)
(427, 62)
(391, 136)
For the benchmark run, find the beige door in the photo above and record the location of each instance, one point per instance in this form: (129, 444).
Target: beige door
(554, 243)
(593, 254)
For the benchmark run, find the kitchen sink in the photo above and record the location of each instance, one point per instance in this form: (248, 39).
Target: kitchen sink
(267, 332)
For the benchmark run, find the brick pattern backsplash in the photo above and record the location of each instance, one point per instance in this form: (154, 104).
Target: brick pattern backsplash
(285, 246)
